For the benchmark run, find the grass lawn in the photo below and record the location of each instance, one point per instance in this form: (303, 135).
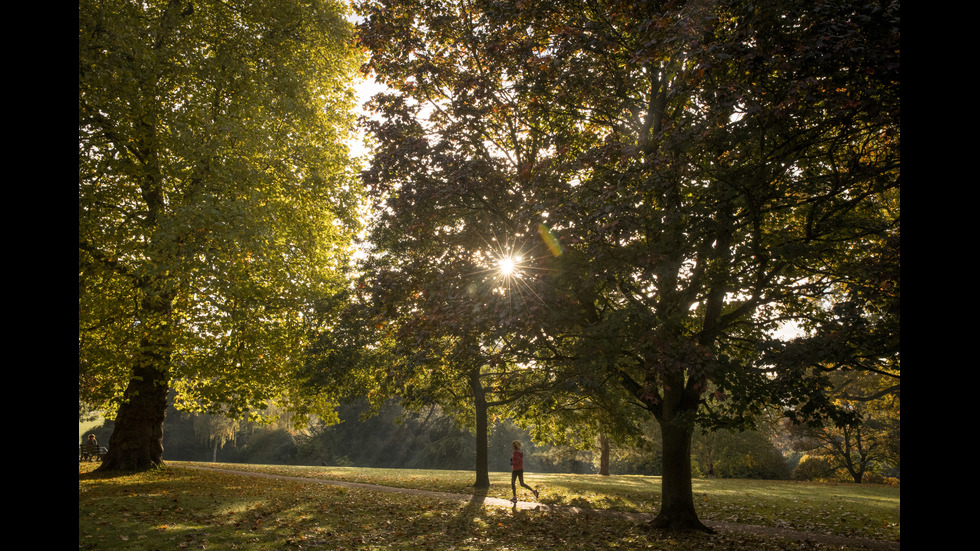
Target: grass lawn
(175, 508)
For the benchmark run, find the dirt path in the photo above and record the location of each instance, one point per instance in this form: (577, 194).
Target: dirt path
(864, 543)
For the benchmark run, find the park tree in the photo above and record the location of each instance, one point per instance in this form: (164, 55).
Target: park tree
(216, 203)
(440, 277)
(867, 441)
(680, 179)
(380, 348)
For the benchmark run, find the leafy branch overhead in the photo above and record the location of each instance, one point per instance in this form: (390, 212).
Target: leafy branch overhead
(679, 179)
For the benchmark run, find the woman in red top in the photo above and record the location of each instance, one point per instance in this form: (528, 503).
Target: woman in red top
(517, 471)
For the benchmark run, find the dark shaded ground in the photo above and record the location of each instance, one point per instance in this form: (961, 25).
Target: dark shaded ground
(796, 535)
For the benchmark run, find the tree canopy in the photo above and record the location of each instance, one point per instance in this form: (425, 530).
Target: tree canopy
(217, 202)
(679, 179)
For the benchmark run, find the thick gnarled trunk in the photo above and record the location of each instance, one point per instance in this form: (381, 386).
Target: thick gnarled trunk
(136, 442)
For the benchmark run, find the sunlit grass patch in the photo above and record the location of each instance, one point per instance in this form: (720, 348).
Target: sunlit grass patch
(844, 509)
(182, 508)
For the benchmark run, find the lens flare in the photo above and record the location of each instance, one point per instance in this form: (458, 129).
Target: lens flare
(550, 239)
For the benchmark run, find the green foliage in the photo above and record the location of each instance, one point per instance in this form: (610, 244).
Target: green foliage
(216, 197)
(749, 454)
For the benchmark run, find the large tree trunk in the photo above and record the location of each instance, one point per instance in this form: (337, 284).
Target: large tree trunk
(136, 442)
(676, 419)
(675, 412)
(480, 403)
(677, 510)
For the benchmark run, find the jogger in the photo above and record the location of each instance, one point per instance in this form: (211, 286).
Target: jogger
(517, 471)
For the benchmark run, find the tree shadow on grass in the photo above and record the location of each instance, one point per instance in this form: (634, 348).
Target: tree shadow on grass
(473, 507)
(464, 525)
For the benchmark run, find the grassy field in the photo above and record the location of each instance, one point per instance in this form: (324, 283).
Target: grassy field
(176, 508)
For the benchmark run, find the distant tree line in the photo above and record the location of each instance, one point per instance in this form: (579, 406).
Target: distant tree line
(396, 438)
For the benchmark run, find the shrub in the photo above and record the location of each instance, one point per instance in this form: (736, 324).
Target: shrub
(747, 454)
(814, 468)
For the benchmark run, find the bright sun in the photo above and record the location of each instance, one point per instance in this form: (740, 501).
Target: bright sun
(506, 266)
